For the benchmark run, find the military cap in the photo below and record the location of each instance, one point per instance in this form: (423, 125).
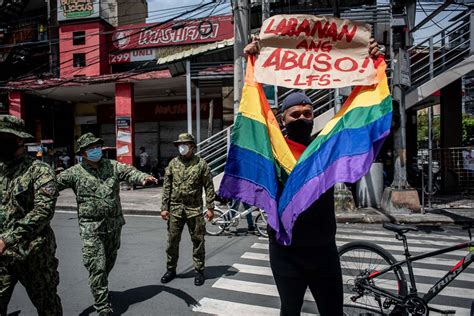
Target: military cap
(295, 98)
(10, 124)
(86, 140)
(184, 138)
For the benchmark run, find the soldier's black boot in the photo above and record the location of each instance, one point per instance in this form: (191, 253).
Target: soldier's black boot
(168, 276)
(199, 278)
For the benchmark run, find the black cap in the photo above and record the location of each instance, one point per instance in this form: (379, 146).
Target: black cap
(295, 98)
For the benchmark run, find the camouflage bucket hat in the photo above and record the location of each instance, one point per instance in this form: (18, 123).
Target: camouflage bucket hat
(10, 124)
(184, 138)
(86, 140)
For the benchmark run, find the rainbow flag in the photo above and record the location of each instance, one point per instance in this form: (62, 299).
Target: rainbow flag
(259, 160)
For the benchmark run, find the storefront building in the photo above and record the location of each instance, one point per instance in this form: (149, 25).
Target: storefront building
(133, 85)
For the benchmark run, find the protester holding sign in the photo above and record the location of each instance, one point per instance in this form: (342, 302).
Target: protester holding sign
(291, 48)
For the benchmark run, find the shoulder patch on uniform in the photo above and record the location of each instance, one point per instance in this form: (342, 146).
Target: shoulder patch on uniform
(50, 189)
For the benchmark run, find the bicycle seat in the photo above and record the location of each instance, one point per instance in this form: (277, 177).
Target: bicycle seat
(400, 229)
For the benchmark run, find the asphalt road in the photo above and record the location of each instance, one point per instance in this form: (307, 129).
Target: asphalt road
(135, 281)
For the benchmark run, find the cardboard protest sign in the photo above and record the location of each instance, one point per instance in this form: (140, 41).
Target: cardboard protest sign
(314, 52)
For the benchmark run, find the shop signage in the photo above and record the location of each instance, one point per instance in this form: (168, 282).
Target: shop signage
(314, 52)
(78, 9)
(123, 123)
(184, 32)
(132, 56)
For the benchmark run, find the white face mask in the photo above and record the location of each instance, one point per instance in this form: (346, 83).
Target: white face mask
(183, 149)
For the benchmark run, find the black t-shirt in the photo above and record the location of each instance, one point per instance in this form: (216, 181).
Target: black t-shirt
(316, 226)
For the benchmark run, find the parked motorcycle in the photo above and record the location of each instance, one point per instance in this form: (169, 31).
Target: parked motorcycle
(418, 176)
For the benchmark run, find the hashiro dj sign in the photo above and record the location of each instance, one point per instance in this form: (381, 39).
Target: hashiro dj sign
(314, 52)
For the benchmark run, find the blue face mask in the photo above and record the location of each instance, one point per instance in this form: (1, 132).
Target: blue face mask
(94, 154)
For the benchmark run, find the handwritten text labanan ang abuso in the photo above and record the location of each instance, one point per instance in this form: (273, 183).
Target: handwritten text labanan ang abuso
(304, 51)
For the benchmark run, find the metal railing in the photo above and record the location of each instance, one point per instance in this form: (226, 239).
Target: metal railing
(441, 50)
(214, 149)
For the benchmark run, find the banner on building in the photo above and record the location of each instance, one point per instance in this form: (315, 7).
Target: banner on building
(78, 9)
(193, 31)
(314, 52)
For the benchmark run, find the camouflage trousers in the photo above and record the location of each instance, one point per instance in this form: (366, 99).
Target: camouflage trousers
(38, 273)
(99, 252)
(197, 229)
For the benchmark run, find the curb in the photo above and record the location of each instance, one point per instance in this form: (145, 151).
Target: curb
(344, 218)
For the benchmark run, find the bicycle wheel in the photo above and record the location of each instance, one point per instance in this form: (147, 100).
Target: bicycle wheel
(217, 225)
(359, 260)
(261, 223)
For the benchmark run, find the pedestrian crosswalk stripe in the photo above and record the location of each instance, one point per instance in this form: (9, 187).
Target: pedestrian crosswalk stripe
(418, 250)
(393, 240)
(433, 261)
(256, 256)
(220, 307)
(410, 235)
(423, 288)
(259, 270)
(252, 288)
(459, 310)
(386, 247)
(259, 246)
(250, 269)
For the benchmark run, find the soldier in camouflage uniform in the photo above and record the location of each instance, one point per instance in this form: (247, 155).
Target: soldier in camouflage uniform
(185, 177)
(96, 183)
(28, 194)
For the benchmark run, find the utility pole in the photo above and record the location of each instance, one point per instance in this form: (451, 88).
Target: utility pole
(53, 35)
(241, 38)
(400, 196)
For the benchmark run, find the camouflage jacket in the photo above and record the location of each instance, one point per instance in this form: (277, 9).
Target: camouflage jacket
(28, 194)
(183, 184)
(97, 193)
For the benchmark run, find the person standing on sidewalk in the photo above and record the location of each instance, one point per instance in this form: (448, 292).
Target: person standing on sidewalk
(28, 194)
(144, 160)
(96, 183)
(185, 177)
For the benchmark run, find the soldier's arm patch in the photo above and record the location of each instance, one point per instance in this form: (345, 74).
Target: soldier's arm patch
(50, 190)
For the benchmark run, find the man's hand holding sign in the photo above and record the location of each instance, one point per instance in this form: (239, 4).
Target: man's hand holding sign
(310, 52)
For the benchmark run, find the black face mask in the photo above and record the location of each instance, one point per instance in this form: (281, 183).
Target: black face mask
(300, 131)
(9, 147)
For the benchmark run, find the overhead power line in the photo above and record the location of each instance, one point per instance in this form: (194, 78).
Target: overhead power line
(109, 41)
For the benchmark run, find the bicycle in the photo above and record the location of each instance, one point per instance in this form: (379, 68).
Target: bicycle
(376, 282)
(225, 218)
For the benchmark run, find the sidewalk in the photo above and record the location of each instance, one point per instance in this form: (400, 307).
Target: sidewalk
(147, 201)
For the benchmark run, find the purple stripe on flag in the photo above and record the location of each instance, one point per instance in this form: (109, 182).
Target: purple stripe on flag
(346, 169)
(252, 194)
